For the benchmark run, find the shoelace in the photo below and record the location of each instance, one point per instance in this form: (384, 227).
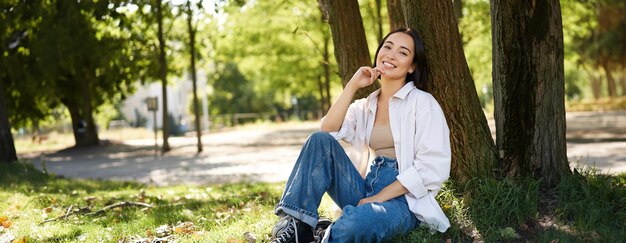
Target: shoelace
(320, 235)
(292, 228)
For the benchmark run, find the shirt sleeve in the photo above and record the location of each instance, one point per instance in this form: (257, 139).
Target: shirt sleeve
(347, 132)
(431, 164)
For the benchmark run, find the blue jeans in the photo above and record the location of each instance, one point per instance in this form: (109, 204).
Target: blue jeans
(323, 166)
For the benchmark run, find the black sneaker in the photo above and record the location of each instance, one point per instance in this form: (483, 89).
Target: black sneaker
(289, 229)
(320, 228)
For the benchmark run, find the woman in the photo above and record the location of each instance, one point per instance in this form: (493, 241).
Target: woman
(406, 129)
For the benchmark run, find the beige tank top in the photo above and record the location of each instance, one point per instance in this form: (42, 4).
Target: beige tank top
(381, 141)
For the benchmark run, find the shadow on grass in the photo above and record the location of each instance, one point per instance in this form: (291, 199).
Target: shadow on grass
(585, 206)
(24, 177)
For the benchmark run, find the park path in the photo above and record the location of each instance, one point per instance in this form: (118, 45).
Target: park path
(267, 152)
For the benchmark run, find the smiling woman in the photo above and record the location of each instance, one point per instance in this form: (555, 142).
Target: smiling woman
(406, 129)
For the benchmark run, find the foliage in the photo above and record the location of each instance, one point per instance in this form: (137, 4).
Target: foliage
(594, 203)
(475, 29)
(496, 205)
(275, 45)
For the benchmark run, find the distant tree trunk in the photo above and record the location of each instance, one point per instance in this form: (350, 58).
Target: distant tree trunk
(7, 147)
(83, 126)
(192, 48)
(163, 73)
(458, 9)
(396, 16)
(596, 86)
(81, 113)
(320, 86)
(379, 20)
(612, 88)
(624, 81)
(326, 65)
(351, 49)
(529, 88)
(450, 82)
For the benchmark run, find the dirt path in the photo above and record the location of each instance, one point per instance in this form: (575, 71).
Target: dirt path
(253, 154)
(266, 153)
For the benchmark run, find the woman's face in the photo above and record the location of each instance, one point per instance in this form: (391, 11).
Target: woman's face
(395, 57)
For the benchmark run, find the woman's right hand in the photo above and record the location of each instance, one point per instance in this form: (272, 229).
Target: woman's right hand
(364, 77)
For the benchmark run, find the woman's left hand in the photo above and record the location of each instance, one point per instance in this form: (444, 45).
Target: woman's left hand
(371, 199)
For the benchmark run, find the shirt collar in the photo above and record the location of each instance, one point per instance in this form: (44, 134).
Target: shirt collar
(405, 90)
(401, 94)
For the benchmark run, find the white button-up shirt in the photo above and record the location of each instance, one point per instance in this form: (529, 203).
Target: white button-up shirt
(422, 144)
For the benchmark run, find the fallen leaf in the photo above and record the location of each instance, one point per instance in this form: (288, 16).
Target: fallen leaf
(234, 240)
(6, 223)
(185, 228)
(20, 240)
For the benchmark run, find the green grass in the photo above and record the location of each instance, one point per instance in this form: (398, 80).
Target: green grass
(586, 206)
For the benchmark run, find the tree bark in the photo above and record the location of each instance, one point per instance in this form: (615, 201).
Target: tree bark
(611, 87)
(351, 49)
(7, 146)
(529, 88)
(458, 9)
(83, 125)
(320, 86)
(379, 20)
(163, 73)
(192, 48)
(596, 86)
(396, 16)
(450, 82)
(624, 81)
(326, 65)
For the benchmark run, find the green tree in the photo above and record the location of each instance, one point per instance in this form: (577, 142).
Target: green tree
(277, 45)
(91, 63)
(233, 92)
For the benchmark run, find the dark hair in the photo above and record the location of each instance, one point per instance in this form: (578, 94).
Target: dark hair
(420, 74)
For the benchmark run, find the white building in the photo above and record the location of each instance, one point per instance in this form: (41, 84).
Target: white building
(179, 95)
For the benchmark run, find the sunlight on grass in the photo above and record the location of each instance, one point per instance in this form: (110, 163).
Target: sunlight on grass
(590, 207)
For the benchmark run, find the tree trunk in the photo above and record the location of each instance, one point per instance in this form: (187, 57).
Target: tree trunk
(379, 20)
(612, 88)
(596, 86)
(163, 73)
(192, 48)
(7, 147)
(458, 9)
(624, 81)
(450, 82)
(351, 49)
(320, 86)
(326, 55)
(396, 16)
(83, 126)
(529, 88)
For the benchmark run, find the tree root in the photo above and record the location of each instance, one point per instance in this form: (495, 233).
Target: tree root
(87, 211)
